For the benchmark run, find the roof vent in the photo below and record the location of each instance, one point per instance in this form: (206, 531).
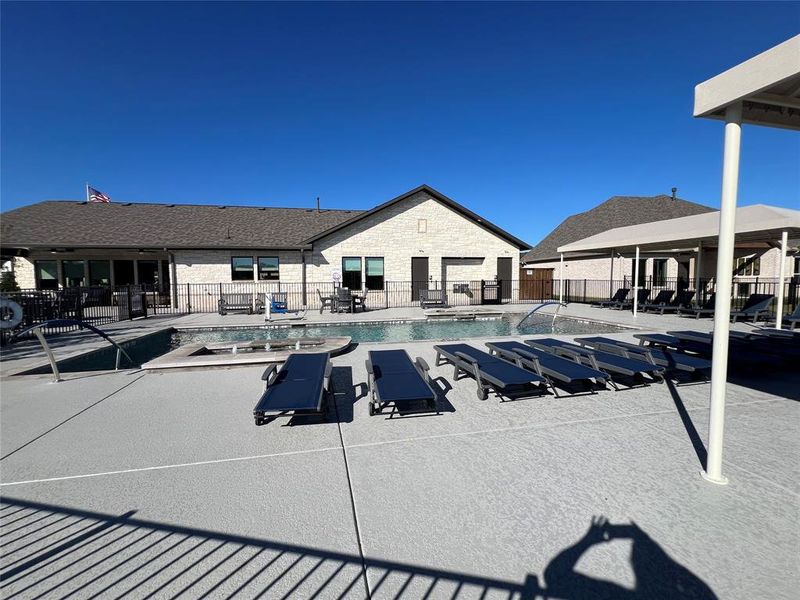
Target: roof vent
(127, 203)
(222, 207)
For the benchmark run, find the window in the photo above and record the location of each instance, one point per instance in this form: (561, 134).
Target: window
(659, 271)
(748, 266)
(99, 272)
(241, 268)
(374, 273)
(46, 274)
(74, 275)
(351, 273)
(422, 225)
(268, 268)
(123, 272)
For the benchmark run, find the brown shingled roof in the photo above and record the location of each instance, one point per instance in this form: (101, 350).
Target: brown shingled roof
(618, 211)
(144, 225)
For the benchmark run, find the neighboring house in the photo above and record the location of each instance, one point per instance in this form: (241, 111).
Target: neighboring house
(421, 235)
(542, 262)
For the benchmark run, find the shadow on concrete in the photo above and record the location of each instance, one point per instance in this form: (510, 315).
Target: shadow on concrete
(66, 551)
(688, 424)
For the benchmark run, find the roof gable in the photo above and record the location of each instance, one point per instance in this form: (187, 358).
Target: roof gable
(436, 195)
(617, 211)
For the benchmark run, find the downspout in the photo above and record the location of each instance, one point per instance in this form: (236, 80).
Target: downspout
(303, 275)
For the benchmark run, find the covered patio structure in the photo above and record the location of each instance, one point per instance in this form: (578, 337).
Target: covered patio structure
(764, 90)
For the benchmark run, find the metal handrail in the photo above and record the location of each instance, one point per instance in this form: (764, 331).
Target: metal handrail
(37, 331)
(542, 305)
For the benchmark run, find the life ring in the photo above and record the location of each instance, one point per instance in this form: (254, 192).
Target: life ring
(10, 314)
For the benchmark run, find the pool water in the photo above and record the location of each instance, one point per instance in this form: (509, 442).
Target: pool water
(409, 331)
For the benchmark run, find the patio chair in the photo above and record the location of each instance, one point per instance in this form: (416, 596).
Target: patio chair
(301, 387)
(683, 299)
(671, 361)
(663, 297)
(610, 362)
(619, 296)
(757, 304)
(707, 310)
(278, 302)
(642, 294)
(392, 379)
(324, 302)
(344, 300)
(436, 298)
(549, 366)
(506, 379)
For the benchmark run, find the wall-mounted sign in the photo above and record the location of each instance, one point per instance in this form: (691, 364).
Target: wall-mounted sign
(336, 275)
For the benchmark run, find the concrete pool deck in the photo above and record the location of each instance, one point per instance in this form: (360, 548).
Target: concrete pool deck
(161, 484)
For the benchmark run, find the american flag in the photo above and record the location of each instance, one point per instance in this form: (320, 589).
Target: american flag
(96, 195)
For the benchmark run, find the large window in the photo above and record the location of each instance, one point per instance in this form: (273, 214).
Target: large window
(749, 266)
(46, 274)
(241, 268)
(351, 273)
(374, 273)
(268, 268)
(659, 271)
(123, 272)
(99, 272)
(74, 274)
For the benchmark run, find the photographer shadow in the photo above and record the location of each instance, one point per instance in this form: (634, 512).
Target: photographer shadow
(657, 575)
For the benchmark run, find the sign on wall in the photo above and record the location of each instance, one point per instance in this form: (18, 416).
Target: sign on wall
(336, 275)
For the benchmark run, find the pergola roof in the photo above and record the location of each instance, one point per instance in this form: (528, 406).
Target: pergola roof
(757, 223)
(768, 85)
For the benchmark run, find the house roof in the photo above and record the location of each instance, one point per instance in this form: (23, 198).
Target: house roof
(452, 204)
(144, 225)
(618, 211)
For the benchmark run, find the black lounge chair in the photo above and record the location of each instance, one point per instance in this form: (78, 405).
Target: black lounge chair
(683, 299)
(671, 361)
(756, 304)
(508, 380)
(662, 298)
(610, 362)
(793, 318)
(618, 297)
(642, 295)
(393, 379)
(706, 310)
(300, 387)
(550, 366)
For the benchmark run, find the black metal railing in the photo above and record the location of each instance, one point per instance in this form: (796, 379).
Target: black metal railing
(103, 305)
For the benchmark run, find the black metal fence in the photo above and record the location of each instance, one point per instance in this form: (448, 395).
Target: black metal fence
(103, 305)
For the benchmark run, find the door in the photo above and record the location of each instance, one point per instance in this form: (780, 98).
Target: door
(419, 276)
(504, 276)
(536, 284)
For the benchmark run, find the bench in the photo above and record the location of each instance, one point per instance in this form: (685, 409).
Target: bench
(436, 298)
(239, 301)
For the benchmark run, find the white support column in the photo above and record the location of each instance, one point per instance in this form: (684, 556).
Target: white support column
(611, 277)
(781, 276)
(697, 265)
(636, 284)
(724, 281)
(561, 280)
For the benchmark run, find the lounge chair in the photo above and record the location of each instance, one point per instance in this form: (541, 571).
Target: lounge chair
(325, 301)
(757, 304)
(612, 363)
(671, 361)
(683, 299)
(663, 297)
(642, 295)
(706, 310)
(550, 366)
(278, 302)
(393, 379)
(793, 318)
(619, 296)
(436, 298)
(508, 380)
(300, 387)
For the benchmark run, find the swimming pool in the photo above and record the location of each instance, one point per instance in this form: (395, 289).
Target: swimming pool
(407, 331)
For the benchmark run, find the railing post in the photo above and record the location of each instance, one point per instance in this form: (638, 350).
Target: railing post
(189, 298)
(130, 300)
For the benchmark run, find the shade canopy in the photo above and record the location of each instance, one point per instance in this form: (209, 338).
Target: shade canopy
(767, 85)
(757, 223)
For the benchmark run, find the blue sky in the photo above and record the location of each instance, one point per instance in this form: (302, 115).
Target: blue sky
(526, 113)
